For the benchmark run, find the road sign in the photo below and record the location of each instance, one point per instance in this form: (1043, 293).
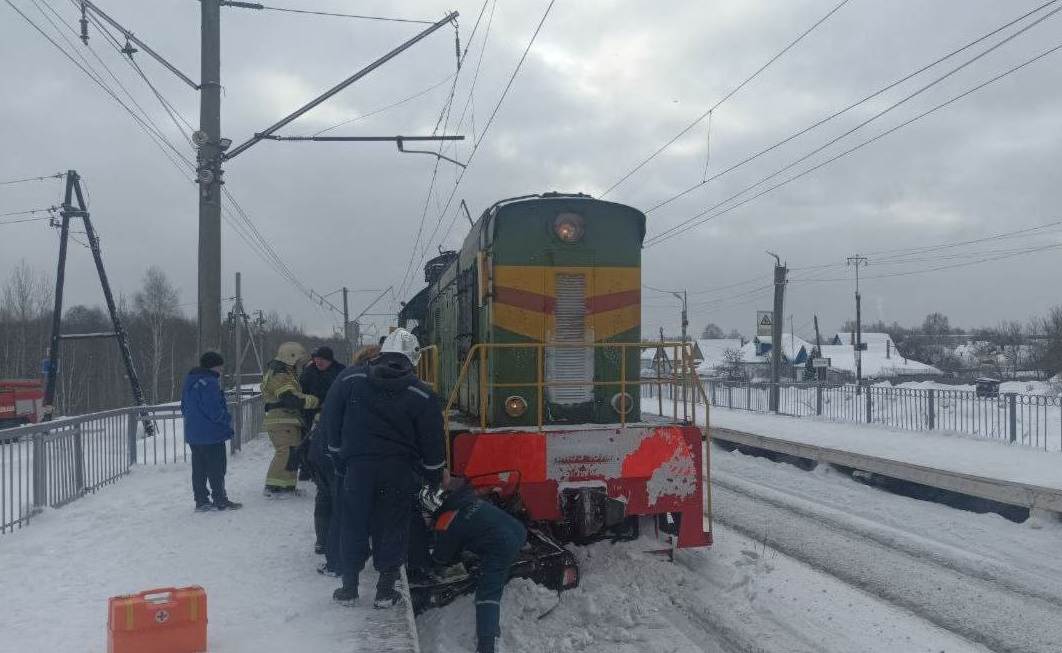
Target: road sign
(764, 323)
(862, 346)
(820, 362)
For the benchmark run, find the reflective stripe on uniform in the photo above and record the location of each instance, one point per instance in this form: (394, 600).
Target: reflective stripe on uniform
(439, 466)
(488, 602)
(444, 520)
(419, 392)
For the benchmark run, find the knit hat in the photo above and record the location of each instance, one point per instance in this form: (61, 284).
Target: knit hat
(324, 352)
(211, 359)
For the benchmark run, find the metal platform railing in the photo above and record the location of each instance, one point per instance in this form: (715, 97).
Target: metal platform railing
(53, 463)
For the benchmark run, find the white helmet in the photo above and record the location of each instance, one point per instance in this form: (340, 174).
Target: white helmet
(402, 342)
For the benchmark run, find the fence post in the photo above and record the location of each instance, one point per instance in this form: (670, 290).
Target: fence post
(870, 406)
(1012, 410)
(818, 399)
(131, 427)
(730, 396)
(40, 472)
(79, 462)
(931, 398)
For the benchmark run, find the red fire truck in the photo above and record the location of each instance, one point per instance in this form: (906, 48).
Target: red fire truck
(21, 401)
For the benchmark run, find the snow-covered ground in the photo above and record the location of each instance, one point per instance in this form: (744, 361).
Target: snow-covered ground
(803, 561)
(256, 564)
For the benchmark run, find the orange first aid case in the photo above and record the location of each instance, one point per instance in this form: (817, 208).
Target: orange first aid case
(164, 620)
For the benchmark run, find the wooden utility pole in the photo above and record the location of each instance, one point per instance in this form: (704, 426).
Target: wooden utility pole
(780, 272)
(74, 206)
(858, 260)
(818, 349)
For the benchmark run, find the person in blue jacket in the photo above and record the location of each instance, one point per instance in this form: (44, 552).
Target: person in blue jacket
(384, 430)
(207, 425)
(465, 522)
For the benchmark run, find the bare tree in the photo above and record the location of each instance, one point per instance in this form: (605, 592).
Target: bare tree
(27, 298)
(711, 332)
(157, 304)
(734, 365)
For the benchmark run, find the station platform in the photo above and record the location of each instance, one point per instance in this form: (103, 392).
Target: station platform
(1014, 475)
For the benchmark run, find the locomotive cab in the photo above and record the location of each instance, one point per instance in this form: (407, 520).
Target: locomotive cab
(536, 327)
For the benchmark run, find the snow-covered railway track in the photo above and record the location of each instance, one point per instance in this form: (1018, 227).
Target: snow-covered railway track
(950, 588)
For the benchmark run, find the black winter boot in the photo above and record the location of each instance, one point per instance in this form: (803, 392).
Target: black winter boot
(348, 593)
(386, 594)
(485, 645)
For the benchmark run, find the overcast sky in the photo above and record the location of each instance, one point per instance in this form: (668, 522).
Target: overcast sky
(605, 85)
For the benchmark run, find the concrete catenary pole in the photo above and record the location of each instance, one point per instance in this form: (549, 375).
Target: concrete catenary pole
(346, 323)
(208, 139)
(780, 272)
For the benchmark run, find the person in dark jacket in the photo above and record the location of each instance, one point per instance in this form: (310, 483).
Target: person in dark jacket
(316, 379)
(385, 433)
(326, 515)
(319, 375)
(466, 523)
(207, 425)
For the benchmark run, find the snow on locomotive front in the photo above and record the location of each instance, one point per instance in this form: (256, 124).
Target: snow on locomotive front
(536, 326)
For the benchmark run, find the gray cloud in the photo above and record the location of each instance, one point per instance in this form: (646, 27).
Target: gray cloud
(606, 83)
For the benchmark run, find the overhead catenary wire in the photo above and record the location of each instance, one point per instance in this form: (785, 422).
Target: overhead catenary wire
(706, 215)
(726, 97)
(490, 121)
(393, 105)
(444, 120)
(836, 114)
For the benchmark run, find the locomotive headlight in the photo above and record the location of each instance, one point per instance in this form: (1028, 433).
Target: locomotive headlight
(622, 403)
(569, 227)
(515, 406)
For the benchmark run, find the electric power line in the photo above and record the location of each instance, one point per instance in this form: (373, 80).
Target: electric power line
(58, 175)
(700, 218)
(705, 179)
(726, 97)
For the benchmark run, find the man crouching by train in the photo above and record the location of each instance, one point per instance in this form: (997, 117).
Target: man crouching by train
(385, 433)
(464, 522)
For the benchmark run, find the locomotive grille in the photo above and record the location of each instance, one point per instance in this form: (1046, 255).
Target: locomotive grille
(569, 364)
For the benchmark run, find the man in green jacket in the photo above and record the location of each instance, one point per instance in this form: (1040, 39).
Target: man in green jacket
(284, 404)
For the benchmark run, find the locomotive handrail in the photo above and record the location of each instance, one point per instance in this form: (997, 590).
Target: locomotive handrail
(684, 377)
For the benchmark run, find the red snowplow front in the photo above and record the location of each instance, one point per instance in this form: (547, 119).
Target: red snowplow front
(591, 478)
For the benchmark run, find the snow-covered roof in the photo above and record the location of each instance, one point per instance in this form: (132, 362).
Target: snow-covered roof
(712, 349)
(875, 363)
(712, 353)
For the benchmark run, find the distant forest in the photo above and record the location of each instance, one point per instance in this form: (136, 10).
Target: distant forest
(163, 341)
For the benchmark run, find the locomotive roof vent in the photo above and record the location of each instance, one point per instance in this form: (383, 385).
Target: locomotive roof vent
(434, 268)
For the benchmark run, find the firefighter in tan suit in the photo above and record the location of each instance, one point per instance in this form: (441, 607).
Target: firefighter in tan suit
(284, 406)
